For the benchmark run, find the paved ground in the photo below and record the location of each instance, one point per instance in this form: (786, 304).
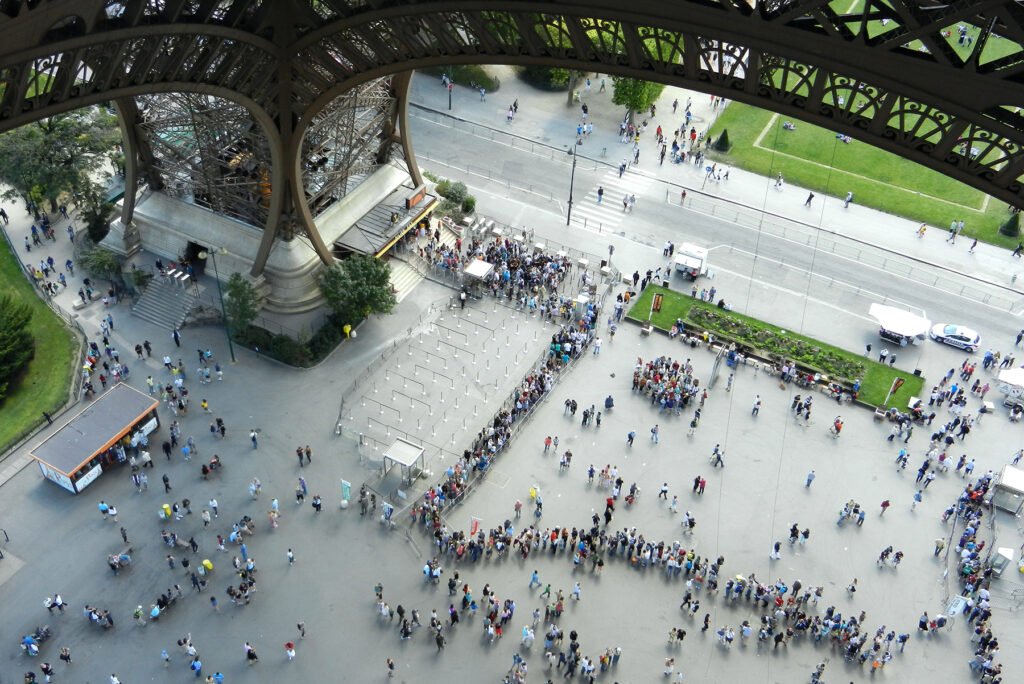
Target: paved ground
(62, 542)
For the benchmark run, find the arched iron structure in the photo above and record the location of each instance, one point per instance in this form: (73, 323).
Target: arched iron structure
(940, 83)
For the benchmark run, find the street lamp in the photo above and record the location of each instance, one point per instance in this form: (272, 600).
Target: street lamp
(212, 254)
(572, 179)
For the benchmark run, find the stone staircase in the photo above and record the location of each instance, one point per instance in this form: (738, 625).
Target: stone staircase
(164, 303)
(404, 277)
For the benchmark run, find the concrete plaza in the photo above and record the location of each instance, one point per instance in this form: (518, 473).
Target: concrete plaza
(59, 542)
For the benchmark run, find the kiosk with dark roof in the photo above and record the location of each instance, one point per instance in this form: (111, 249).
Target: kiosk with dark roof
(97, 438)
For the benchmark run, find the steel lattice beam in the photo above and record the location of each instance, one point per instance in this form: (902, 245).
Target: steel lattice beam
(896, 74)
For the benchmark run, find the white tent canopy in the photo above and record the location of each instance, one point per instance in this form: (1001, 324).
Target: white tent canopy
(1011, 382)
(899, 321)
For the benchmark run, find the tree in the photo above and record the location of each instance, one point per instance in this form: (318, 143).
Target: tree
(242, 303)
(357, 287)
(61, 154)
(95, 211)
(100, 262)
(635, 95)
(722, 144)
(1011, 226)
(17, 346)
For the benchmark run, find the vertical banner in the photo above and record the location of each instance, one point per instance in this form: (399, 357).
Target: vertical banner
(896, 384)
(346, 490)
(474, 526)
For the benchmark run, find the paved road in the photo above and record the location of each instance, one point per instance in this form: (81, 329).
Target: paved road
(835, 277)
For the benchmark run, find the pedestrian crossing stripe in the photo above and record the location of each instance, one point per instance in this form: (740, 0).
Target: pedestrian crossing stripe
(609, 212)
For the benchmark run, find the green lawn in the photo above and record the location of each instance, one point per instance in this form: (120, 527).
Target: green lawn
(44, 385)
(813, 157)
(876, 378)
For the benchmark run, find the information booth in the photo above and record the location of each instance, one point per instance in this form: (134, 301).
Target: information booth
(98, 438)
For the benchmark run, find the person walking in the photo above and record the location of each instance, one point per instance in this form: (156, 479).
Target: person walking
(885, 507)
(810, 196)
(918, 496)
(757, 405)
(654, 433)
(810, 479)
(167, 483)
(253, 439)
(391, 667)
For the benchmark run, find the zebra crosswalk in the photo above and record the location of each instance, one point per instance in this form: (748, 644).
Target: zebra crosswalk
(608, 214)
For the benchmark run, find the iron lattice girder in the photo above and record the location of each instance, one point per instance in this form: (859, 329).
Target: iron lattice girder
(208, 149)
(903, 85)
(349, 138)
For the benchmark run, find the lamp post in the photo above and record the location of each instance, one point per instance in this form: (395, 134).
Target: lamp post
(451, 86)
(212, 254)
(572, 179)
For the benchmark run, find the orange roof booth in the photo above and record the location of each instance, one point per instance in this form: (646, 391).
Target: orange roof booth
(98, 438)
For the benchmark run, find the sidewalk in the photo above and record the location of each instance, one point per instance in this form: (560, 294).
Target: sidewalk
(545, 117)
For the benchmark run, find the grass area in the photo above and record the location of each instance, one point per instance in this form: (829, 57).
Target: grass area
(842, 365)
(814, 158)
(44, 384)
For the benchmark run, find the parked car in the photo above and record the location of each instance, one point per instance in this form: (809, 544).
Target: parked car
(956, 336)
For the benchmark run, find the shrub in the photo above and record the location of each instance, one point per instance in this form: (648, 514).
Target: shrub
(545, 78)
(466, 75)
(469, 205)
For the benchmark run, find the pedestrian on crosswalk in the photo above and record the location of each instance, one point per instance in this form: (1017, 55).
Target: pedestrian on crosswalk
(600, 193)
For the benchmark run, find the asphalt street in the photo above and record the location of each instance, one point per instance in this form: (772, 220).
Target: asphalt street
(828, 281)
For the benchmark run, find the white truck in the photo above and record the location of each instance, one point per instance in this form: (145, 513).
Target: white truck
(691, 260)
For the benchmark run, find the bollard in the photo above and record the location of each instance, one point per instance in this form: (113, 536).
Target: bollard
(534, 335)
(415, 371)
(478, 376)
(506, 371)
(417, 423)
(438, 347)
(410, 351)
(458, 322)
(387, 375)
(507, 342)
(517, 328)
(442, 397)
(444, 417)
(421, 338)
(456, 402)
(488, 367)
(503, 324)
(375, 387)
(464, 428)
(474, 410)
(363, 403)
(463, 371)
(449, 333)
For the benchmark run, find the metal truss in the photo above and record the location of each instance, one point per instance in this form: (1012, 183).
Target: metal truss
(347, 141)
(208, 151)
(937, 82)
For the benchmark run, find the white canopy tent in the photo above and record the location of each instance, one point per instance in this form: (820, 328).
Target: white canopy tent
(900, 325)
(1011, 382)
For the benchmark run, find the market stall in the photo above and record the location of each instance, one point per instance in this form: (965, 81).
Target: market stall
(97, 438)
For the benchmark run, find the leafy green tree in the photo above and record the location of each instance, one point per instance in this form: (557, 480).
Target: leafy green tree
(242, 303)
(357, 287)
(634, 94)
(61, 154)
(96, 212)
(100, 262)
(17, 346)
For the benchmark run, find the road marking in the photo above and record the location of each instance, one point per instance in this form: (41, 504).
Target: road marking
(607, 214)
(860, 264)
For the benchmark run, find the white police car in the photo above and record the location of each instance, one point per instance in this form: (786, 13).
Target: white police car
(956, 336)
